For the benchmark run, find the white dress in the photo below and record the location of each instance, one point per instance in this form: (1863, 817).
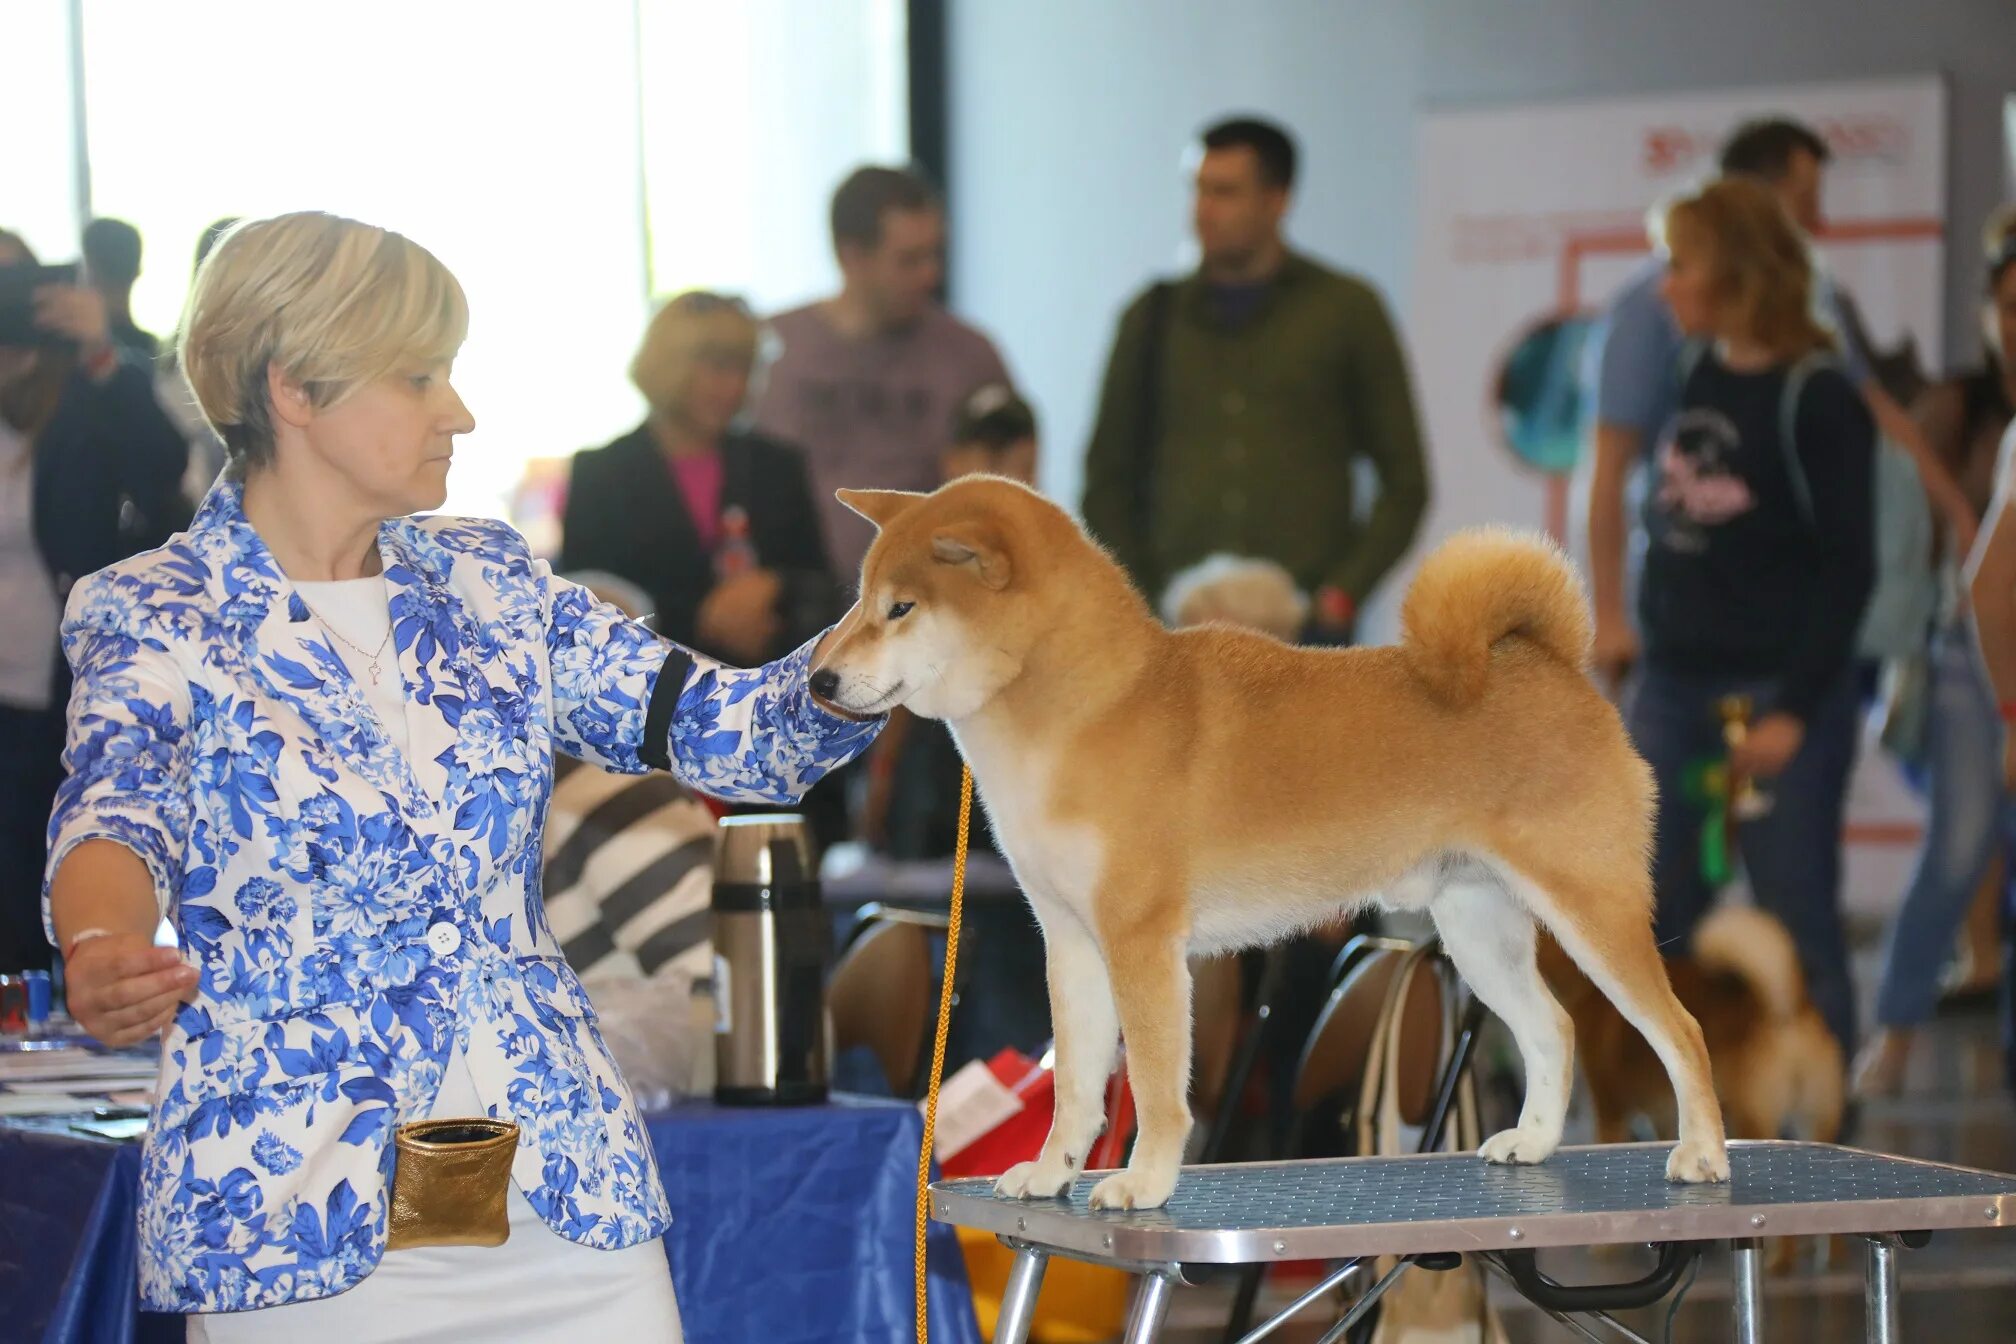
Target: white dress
(536, 1286)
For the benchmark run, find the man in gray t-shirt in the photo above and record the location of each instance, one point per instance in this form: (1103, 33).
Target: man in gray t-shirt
(869, 381)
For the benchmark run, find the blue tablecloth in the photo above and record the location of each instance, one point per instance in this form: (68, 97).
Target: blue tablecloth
(792, 1227)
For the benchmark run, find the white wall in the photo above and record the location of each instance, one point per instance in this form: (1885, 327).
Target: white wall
(1069, 120)
(38, 200)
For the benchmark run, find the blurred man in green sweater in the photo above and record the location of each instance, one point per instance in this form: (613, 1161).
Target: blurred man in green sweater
(1239, 401)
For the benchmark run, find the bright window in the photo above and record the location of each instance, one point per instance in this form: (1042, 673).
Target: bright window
(752, 115)
(517, 142)
(38, 157)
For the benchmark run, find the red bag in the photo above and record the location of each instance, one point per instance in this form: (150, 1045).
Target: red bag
(1031, 1085)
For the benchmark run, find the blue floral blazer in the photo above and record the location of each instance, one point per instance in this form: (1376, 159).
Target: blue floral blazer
(355, 910)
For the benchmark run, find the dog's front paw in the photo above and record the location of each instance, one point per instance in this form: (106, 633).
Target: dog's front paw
(1519, 1147)
(1035, 1180)
(1134, 1189)
(1697, 1162)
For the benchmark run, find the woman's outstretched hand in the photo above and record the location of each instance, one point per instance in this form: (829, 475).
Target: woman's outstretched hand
(122, 989)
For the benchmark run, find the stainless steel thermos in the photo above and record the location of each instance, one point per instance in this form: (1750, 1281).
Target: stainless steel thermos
(770, 943)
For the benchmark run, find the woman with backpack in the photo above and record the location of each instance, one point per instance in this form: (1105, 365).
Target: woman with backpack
(1760, 560)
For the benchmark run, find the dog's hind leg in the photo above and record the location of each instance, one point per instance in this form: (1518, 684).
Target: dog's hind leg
(1491, 939)
(1087, 1032)
(1609, 934)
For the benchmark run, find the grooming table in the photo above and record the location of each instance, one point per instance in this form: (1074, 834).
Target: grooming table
(1430, 1210)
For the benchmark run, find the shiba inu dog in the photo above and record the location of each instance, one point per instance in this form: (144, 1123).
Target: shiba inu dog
(1162, 793)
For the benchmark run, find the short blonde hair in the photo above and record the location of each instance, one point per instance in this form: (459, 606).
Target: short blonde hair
(332, 303)
(696, 323)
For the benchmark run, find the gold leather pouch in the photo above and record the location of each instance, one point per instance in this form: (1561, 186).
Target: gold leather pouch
(451, 1182)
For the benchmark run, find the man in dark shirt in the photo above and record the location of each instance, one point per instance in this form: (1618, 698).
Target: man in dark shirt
(1240, 402)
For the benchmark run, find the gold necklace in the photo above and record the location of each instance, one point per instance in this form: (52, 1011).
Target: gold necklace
(371, 665)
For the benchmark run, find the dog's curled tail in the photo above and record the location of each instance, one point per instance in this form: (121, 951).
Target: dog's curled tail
(1480, 586)
(1743, 941)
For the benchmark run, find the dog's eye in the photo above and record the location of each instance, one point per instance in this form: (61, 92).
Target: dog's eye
(900, 610)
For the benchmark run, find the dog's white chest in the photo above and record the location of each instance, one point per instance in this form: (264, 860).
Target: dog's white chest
(1056, 860)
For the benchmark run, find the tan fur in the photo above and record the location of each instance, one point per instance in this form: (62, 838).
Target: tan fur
(1162, 793)
(1757, 948)
(1777, 1069)
(1493, 582)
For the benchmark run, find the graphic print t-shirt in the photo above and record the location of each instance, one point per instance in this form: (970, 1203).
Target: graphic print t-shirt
(1742, 578)
(871, 413)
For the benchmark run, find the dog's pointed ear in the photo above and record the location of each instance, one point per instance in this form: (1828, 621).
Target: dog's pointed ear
(976, 547)
(880, 507)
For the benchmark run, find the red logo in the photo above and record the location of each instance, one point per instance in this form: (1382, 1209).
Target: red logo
(1669, 149)
(1863, 138)
(1859, 139)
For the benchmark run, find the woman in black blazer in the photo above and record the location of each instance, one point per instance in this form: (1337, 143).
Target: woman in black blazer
(90, 470)
(716, 524)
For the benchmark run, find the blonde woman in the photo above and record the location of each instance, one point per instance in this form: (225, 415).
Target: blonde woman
(1759, 562)
(318, 733)
(716, 523)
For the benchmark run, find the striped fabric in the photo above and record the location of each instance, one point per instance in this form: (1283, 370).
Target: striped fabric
(629, 867)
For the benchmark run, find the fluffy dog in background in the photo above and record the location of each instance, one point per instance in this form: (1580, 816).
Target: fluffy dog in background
(1778, 1070)
(1236, 590)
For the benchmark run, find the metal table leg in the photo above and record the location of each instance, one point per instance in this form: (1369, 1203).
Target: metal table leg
(1364, 1304)
(1151, 1308)
(1331, 1282)
(1747, 1300)
(1018, 1299)
(1879, 1292)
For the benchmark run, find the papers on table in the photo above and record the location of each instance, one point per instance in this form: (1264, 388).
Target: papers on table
(78, 1070)
(72, 1081)
(94, 1085)
(43, 1103)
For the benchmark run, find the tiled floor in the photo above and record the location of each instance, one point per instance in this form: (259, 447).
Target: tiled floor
(1959, 1290)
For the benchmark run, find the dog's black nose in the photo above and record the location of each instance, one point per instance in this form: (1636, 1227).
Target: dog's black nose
(825, 683)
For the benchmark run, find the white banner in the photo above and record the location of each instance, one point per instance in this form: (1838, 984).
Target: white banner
(1531, 213)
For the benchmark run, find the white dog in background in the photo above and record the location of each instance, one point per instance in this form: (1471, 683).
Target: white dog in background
(1236, 590)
